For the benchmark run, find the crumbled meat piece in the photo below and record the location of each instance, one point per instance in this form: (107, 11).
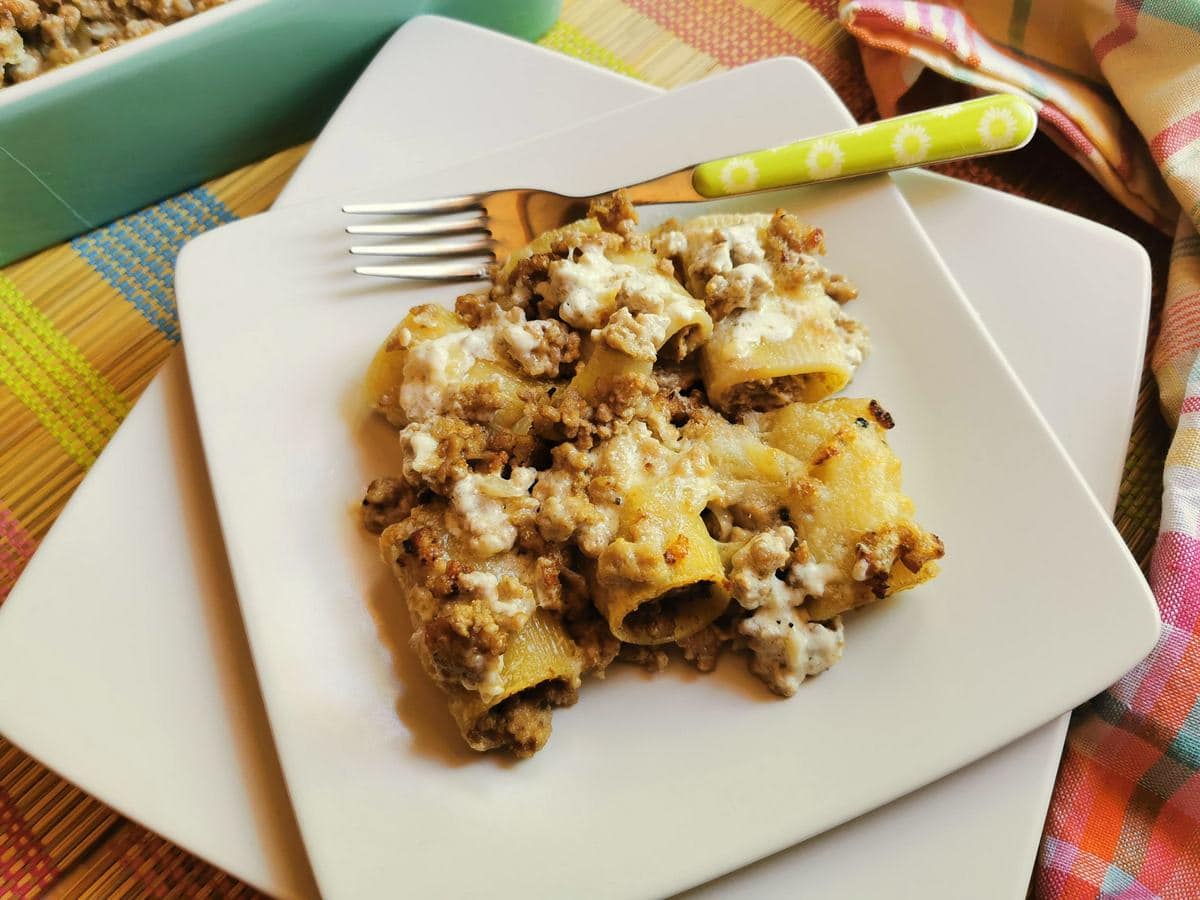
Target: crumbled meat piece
(473, 309)
(739, 288)
(840, 288)
(703, 648)
(387, 501)
(881, 415)
(541, 347)
(878, 551)
(477, 402)
(795, 235)
(464, 644)
(566, 415)
(439, 453)
(522, 723)
(614, 212)
(652, 659)
(792, 248)
(637, 336)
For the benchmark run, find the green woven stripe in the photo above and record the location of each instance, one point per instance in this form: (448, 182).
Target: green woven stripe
(54, 380)
(571, 41)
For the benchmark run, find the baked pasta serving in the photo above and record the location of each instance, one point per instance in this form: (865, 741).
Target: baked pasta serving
(626, 449)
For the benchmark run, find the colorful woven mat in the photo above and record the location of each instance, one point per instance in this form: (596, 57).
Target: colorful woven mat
(84, 326)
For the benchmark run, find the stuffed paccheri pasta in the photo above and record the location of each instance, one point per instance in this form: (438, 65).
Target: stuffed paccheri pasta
(624, 447)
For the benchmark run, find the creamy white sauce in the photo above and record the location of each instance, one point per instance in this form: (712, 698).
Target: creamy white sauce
(787, 649)
(509, 600)
(491, 685)
(671, 243)
(479, 514)
(433, 368)
(585, 287)
(419, 449)
(744, 246)
(813, 576)
(521, 341)
(712, 257)
(771, 323)
(859, 572)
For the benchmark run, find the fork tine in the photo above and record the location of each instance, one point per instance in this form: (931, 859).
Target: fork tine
(422, 271)
(416, 207)
(430, 226)
(425, 248)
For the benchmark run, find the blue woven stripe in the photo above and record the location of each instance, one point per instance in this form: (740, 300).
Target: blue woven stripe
(1116, 881)
(1186, 746)
(136, 254)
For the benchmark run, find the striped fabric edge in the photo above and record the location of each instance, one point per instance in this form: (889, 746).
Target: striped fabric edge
(958, 51)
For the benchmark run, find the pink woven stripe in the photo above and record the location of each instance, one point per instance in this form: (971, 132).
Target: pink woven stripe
(1175, 577)
(25, 866)
(16, 547)
(1127, 13)
(729, 32)
(827, 8)
(1175, 137)
(1068, 129)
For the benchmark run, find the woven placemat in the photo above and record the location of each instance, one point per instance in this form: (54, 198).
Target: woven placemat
(84, 327)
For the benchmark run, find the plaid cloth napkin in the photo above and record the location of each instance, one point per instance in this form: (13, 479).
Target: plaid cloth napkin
(1118, 87)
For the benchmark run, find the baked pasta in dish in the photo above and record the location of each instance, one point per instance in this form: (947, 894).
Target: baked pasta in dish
(39, 35)
(626, 449)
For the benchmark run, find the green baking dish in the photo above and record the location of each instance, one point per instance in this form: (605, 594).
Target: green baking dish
(84, 144)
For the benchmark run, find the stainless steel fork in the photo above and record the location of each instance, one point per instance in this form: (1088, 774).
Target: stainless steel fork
(455, 238)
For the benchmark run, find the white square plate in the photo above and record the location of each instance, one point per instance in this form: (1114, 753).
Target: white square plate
(676, 778)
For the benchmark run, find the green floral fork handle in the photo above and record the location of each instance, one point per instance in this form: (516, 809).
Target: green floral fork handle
(992, 124)
(428, 244)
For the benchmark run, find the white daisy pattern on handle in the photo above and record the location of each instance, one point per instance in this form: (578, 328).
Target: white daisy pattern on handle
(825, 159)
(996, 128)
(739, 174)
(911, 145)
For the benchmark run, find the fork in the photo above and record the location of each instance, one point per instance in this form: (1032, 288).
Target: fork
(437, 246)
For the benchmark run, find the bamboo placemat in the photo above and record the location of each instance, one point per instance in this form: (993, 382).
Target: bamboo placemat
(84, 327)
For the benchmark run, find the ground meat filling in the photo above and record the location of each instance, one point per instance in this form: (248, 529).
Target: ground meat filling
(655, 620)
(387, 501)
(614, 212)
(464, 642)
(521, 723)
(767, 393)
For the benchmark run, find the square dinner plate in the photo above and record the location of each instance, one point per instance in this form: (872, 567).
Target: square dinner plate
(648, 785)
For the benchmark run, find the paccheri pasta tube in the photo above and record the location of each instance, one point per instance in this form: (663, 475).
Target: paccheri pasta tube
(780, 331)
